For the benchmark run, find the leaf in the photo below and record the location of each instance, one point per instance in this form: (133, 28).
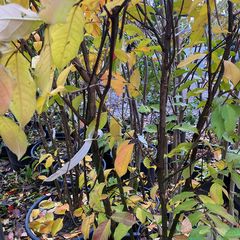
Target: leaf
(103, 231)
(182, 147)
(24, 3)
(121, 55)
(123, 158)
(231, 72)
(46, 227)
(216, 193)
(47, 204)
(190, 59)
(44, 69)
(57, 226)
(219, 210)
(62, 209)
(232, 233)
(182, 196)
(63, 76)
(55, 11)
(185, 127)
(120, 231)
(49, 161)
(115, 129)
(185, 206)
(151, 128)
(13, 136)
(66, 38)
(217, 122)
(236, 178)
(186, 226)
(86, 224)
(7, 85)
(16, 22)
(78, 212)
(134, 84)
(125, 218)
(141, 215)
(24, 95)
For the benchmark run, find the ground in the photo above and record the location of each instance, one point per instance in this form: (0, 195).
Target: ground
(17, 193)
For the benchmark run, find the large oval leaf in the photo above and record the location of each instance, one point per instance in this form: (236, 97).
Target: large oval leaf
(13, 136)
(24, 95)
(66, 38)
(16, 22)
(103, 231)
(44, 69)
(6, 89)
(55, 11)
(124, 154)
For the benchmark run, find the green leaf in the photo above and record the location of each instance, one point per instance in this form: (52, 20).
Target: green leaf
(141, 215)
(144, 109)
(182, 196)
(125, 218)
(217, 122)
(67, 37)
(185, 85)
(230, 117)
(219, 210)
(120, 231)
(185, 127)
(233, 233)
(182, 147)
(185, 206)
(195, 217)
(151, 128)
(221, 227)
(236, 178)
(103, 231)
(57, 226)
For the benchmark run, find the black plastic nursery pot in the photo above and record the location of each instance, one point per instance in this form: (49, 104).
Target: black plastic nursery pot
(23, 162)
(33, 236)
(30, 233)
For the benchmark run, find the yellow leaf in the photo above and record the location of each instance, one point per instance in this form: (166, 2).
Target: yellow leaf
(123, 158)
(24, 3)
(42, 177)
(13, 136)
(24, 95)
(57, 226)
(47, 204)
(62, 209)
(133, 87)
(7, 85)
(218, 154)
(44, 70)
(49, 162)
(190, 59)
(63, 76)
(37, 46)
(55, 11)
(216, 193)
(46, 227)
(115, 129)
(66, 37)
(78, 212)
(218, 30)
(35, 213)
(121, 55)
(231, 72)
(86, 225)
